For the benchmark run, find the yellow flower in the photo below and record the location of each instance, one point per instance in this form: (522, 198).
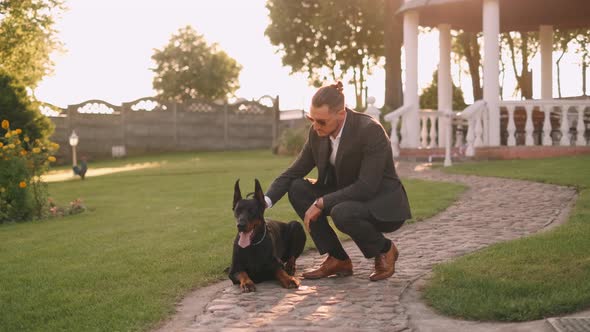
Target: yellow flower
(36, 150)
(18, 131)
(23, 153)
(7, 135)
(5, 124)
(11, 146)
(26, 139)
(22, 184)
(1, 144)
(51, 159)
(55, 145)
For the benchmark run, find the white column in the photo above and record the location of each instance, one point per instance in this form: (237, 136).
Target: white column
(546, 45)
(411, 119)
(445, 83)
(491, 70)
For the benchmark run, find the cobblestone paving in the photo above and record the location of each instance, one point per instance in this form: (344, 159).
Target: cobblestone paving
(492, 210)
(571, 324)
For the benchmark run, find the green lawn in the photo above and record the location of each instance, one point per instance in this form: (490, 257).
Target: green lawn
(149, 237)
(539, 276)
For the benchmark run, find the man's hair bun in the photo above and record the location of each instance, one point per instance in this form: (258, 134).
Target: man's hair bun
(338, 86)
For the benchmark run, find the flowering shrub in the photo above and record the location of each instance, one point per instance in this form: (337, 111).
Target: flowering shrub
(76, 206)
(23, 195)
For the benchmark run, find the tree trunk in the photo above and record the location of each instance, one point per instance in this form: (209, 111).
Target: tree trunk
(468, 41)
(526, 76)
(513, 61)
(356, 88)
(359, 98)
(557, 63)
(584, 67)
(393, 35)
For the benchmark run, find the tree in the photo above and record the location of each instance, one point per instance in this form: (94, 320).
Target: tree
(393, 40)
(561, 39)
(583, 41)
(28, 37)
(328, 38)
(429, 96)
(16, 107)
(189, 68)
(465, 45)
(522, 45)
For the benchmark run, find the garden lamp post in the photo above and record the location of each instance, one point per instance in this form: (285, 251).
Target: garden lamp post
(73, 143)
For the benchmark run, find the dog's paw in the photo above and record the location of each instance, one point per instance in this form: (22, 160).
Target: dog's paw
(291, 282)
(248, 286)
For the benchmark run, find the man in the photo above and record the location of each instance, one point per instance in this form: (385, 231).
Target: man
(357, 186)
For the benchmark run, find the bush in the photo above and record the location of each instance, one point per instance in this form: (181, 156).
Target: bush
(429, 97)
(292, 140)
(23, 196)
(16, 202)
(22, 112)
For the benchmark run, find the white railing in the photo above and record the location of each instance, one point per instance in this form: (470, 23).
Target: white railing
(430, 138)
(474, 115)
(565, 112)
(394, 118)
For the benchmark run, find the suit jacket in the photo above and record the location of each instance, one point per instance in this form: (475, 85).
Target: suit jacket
(364, 169)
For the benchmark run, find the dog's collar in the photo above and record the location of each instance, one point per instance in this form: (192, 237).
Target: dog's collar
(263, 236)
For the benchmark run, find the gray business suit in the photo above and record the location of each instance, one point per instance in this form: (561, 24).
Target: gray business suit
(361, 192)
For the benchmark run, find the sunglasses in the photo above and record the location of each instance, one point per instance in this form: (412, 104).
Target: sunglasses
(319, 122)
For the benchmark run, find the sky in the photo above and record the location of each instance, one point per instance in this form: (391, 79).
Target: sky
(109, 44)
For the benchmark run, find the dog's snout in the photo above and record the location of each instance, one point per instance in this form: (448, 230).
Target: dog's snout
(242, 226)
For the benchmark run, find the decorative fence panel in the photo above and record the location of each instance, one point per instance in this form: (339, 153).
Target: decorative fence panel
(146, 126)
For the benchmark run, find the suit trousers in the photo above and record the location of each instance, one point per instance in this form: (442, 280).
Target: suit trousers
(350, 217)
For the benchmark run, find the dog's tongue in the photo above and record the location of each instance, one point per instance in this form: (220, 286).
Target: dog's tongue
(245, 240)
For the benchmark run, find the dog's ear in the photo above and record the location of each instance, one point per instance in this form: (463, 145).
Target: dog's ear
(258, 194)
(237, 194)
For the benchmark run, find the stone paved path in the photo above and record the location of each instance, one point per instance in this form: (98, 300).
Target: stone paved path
(491, 210)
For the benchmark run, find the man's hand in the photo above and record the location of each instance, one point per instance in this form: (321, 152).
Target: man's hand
(313, 212)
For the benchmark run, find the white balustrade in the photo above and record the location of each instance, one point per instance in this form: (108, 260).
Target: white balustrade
(565, 127)
(393, 138)
(473, 114)
(470, 151)
(372, 110)
(428, 137)
(433, 121)
(511, 126)
(547, 141)
(470, 125)
(528, 128)
(423, 132)
(559, 107)
(581, 128)
(459, 136)
(393, 118)
(478, 130)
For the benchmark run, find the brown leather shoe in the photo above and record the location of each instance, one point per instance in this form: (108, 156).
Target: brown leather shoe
(385, 264)
(330, 267)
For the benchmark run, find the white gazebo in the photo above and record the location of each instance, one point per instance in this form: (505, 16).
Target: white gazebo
(483, 117)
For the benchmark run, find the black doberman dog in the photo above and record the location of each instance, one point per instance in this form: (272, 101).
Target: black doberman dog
(263, 249)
